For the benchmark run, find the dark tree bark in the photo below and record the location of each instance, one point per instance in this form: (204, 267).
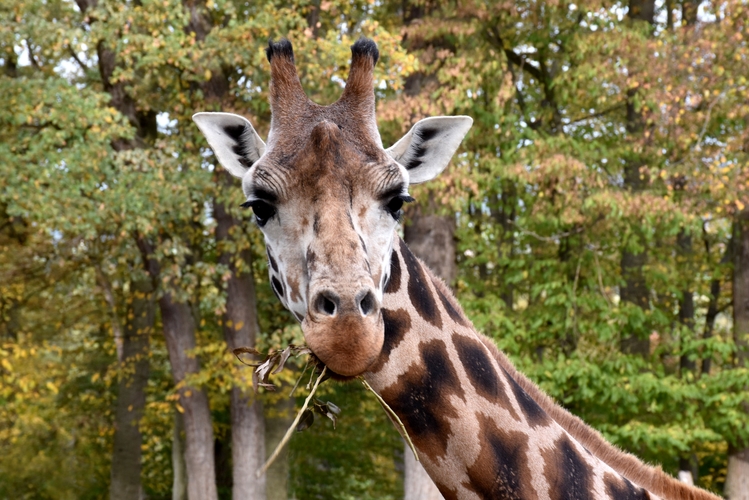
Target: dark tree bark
(240, 330)
(432, 238)
(635, 289)
(686, 303)
(505, 215)
(689, 11)
(688, 464)
(712, 308)
(179, 331)
(179, 469)
(737, 477)
(13, 234)
(131, 395)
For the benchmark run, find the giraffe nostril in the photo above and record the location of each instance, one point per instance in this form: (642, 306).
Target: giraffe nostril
(328, 306)
(367, 303)
(327, 303)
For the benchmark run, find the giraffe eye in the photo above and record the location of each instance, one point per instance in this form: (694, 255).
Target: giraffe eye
(395, 204)
(263, 211)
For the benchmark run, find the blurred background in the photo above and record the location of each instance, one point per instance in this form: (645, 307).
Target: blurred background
(595, 224)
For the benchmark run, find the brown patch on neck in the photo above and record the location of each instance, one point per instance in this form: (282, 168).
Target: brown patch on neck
(394, 281)
(420, 295)
(397, 325)
(568, 474)
(501, 469)
(448, 304)
(622, 489)
(421, 398)
(481, 372)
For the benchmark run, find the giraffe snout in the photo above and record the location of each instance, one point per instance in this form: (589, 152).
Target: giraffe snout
(345, 330)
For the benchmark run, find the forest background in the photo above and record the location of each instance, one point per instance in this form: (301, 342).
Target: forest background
(595, 223)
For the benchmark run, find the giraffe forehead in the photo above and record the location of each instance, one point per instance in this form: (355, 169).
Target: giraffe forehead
(328, 163)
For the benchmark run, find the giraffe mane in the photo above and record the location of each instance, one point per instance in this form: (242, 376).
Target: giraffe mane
(652, 478)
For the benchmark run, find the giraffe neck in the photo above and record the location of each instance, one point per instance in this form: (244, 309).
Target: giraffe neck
(482, 429)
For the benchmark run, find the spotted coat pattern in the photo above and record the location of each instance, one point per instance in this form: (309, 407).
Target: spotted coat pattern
(478, 432)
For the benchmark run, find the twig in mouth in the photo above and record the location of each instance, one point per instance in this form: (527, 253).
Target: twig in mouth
(287, 436)
(306, 365)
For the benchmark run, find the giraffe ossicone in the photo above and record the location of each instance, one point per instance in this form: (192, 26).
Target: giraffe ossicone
(327, 197)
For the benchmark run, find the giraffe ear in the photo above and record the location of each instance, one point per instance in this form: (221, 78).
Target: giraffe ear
(428, 147)
(232, 138)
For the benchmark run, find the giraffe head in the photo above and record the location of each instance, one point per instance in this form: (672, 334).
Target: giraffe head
(327, 197)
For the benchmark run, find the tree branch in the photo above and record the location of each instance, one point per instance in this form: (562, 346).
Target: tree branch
(75, 58)
(598, 114)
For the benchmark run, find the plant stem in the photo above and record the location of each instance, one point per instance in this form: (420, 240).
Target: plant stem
(392, 413)
(287, 436)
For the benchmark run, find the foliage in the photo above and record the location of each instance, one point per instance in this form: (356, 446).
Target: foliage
(567, 99)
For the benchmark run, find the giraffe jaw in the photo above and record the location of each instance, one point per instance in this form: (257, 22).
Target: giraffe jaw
(348, 345)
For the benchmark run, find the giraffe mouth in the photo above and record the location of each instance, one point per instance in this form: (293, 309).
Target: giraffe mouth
(330, 373)
(348, 344)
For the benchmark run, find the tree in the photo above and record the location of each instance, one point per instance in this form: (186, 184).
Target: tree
(573, 105)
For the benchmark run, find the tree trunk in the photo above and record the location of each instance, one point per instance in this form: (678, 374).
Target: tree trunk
(179, 333)
(417, 485)
(178, 322)
(432, 238)
(131, 396)
(688, 463)
(179, 470)
(635, 290)
(505, 215)
(737, 475)
(737, 478)
(712, 308)
(240, 330)
(279, 419)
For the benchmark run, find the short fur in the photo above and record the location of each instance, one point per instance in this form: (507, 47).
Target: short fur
(322, 191)
(629, 466)
(651, 478)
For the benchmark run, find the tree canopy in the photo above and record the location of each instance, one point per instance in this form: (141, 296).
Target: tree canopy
(598, 203)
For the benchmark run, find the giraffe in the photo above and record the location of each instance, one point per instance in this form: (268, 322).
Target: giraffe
(328, 197)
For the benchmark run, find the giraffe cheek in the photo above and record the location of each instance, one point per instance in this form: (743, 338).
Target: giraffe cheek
(348, 345)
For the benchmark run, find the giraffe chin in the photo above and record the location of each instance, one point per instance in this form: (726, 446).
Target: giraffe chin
(347, 345)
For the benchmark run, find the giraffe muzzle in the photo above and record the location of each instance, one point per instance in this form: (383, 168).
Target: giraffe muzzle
(345, 332)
